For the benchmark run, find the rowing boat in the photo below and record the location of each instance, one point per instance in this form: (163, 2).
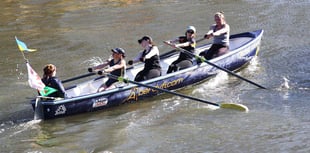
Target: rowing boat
(83, 97)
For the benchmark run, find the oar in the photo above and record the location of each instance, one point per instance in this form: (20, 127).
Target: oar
(78, 77)
(210, 63)
(199, 40)
(235, 106)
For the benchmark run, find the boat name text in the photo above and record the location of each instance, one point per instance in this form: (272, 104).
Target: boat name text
(135, 92)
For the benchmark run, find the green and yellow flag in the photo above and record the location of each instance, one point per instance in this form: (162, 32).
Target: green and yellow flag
(22, 46)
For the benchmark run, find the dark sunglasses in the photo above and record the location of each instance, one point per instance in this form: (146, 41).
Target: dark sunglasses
(190, 31)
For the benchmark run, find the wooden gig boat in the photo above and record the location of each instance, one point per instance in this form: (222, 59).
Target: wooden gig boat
(84, 98)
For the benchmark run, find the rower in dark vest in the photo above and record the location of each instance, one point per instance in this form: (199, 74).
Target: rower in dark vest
(150, 56)
(117, 67)
(188, 43)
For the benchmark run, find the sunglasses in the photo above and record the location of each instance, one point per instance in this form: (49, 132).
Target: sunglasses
(190, 31)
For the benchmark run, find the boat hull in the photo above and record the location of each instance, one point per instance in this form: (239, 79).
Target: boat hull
(129, 93)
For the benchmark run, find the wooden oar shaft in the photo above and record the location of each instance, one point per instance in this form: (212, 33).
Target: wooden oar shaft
(221, 68)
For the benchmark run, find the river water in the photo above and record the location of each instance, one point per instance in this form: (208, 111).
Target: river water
(76, 34)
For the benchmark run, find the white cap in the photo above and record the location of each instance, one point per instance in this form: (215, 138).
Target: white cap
(191, 28)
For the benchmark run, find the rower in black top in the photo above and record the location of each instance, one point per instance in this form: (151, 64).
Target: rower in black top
(117, 67)
(150, 56)
(188, 43)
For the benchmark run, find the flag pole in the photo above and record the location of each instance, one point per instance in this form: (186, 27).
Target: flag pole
(27, 61)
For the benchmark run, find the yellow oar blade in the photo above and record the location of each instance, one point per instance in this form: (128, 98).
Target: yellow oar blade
(234, 106)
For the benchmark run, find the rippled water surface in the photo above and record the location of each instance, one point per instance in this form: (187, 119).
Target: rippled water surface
(76, 34)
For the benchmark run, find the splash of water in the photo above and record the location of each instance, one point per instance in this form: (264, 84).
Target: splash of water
(94, 61)
(285, 84)
(254, 64)
(220, 78)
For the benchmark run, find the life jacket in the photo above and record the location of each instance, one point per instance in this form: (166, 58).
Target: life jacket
(151, 63)
(118, 72)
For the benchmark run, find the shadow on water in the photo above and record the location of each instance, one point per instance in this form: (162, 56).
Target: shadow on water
(18, 116)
